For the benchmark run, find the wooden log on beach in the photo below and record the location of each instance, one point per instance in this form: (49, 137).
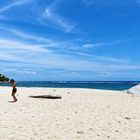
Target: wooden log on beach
(46, 96)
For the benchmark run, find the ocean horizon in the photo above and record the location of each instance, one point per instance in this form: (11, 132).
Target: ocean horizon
(104, 85)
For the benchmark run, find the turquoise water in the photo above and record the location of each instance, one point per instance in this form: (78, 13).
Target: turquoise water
(107, 85)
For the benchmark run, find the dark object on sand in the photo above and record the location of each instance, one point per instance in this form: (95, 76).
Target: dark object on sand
(46, 96)
(128, 118)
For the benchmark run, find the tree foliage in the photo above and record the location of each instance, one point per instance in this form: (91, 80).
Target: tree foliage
(4, 78)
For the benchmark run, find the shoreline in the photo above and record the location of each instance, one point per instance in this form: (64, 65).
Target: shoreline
(84, 88)
(111, 85)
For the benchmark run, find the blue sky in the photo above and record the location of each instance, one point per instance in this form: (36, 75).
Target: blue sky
(70, 39)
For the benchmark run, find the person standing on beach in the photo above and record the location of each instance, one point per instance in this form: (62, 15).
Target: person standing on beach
(14, 90)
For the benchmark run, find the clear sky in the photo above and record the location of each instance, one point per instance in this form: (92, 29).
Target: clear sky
(70, 39)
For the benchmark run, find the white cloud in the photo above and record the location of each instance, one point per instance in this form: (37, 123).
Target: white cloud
(50, 17)
(3, 18)
(52, 60)
(46, 41)
(10, 44)
(7, 56)
(89, 45)
(30, 72)
(11, 5)
(11, 50)
(104, 44)
(23, 71)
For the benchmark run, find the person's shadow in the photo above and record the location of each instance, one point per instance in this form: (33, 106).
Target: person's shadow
(11, 101)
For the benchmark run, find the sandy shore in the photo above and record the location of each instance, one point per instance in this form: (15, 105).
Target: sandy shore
(84, 114)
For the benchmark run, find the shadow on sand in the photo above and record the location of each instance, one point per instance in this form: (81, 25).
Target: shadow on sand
(12, 101)
(46, 96)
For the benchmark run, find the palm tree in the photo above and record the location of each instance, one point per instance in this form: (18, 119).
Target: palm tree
(3, 78)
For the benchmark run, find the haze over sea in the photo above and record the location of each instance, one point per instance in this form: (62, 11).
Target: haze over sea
(105, 85)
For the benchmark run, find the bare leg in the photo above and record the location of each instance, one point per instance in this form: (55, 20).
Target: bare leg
(14, 97)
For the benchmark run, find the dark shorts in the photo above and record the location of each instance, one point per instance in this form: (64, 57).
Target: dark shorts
(14, 90)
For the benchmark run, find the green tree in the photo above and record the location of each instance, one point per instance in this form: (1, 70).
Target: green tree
(4, 78)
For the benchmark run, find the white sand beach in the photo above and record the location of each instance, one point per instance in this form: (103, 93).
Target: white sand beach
(81, 114)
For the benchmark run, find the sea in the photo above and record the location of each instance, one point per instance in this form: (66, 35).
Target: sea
(105, 85)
